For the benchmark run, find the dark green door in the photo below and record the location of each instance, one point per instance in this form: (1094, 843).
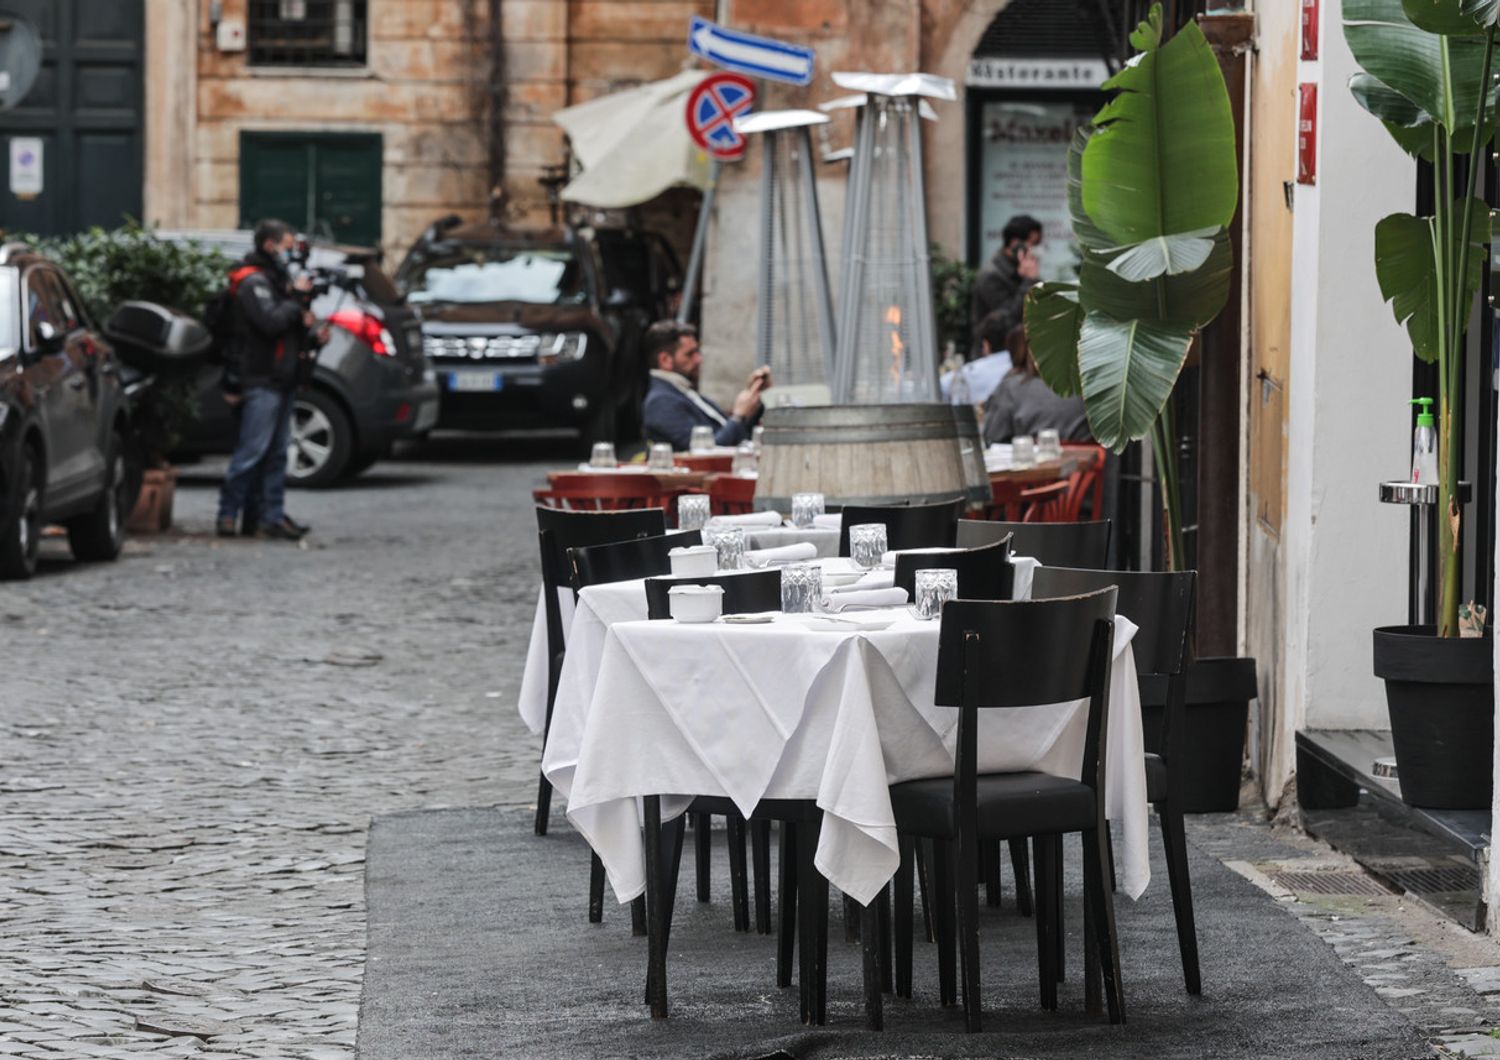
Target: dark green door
(326, 184)
(84, 112)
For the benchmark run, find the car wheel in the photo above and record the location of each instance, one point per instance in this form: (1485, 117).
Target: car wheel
(321, 442)
(99, 535)
(22, 537)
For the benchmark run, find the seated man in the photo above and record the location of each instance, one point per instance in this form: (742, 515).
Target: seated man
(673, 406)
(1023, 403)
(974, 382)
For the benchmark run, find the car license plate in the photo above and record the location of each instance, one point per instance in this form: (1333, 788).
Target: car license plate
(469, 382)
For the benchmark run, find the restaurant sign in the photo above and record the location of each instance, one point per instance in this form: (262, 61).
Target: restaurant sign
(999, 71)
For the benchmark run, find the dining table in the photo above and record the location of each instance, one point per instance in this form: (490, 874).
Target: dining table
(796, 707)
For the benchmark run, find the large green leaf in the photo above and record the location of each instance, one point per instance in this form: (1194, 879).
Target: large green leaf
(1406, 267)
(1053, 320)
(1442, 16)
(1163, 255)
(1189, 300)
(1084, 230)
(1161, 161)
(1440, 75)
(1128, 369)
(1485, 12)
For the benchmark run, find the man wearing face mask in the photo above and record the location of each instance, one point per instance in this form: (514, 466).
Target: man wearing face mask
(1001, 285)
(273, 334)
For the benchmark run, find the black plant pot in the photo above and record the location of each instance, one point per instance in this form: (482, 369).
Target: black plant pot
(1441, 695)
(1219, 691)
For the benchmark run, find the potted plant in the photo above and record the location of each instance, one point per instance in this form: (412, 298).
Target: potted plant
(1426, 73)
(1153, 185)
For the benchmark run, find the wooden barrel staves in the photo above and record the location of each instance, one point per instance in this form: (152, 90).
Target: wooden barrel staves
(971, 452)
(863, 454)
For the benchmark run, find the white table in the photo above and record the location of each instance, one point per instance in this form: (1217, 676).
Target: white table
(825, 541)
(779, 711)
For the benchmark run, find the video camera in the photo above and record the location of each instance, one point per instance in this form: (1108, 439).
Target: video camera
(324, 278)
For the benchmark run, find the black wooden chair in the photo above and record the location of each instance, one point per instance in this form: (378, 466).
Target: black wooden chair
(996, 655)
(1053, 544)
(744, 593)
(641, 557)
(559, 530)
(983, 573)
(801, 926)
(906, 526)
(1162, 606)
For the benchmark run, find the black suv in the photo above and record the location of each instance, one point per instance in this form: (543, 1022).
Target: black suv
(64, 420)
(539, 328)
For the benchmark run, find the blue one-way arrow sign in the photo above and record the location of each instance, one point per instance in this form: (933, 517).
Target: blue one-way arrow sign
(747, 54)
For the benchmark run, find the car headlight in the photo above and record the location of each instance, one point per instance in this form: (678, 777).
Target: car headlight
(562, 346)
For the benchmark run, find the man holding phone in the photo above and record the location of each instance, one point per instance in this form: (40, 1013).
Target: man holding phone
(673, 406)
(1001, 285)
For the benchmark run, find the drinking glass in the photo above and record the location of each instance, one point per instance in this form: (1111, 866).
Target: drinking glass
(867, 544)
(661, 457)
(757, 438)
(701, 440)
(805, 508)
(1048, 445)
(692, 511)
(1022, 451)
(935, 587)
(603, 455)
(801, 588)
(729, 542)
(745, 462)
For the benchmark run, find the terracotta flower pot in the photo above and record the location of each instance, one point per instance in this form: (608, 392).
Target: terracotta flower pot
(153, 508)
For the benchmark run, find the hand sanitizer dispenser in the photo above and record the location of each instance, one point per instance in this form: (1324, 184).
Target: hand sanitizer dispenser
(1424, 461)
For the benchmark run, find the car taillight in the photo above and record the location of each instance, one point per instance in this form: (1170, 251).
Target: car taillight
(368, 329)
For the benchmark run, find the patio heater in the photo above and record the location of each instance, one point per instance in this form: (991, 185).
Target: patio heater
(887, 335)
(794, 327)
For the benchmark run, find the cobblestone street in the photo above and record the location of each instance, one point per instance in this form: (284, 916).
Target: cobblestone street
(195, 739)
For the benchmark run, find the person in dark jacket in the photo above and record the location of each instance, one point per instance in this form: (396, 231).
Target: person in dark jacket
(673, 406)
(1001, 285)
(273, 333)
(1023, 403)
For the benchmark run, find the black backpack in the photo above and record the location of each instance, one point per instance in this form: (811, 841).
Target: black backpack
(218, 312)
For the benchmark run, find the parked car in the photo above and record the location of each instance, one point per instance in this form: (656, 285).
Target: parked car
(371, 385)
(538, 328)
(64, 421)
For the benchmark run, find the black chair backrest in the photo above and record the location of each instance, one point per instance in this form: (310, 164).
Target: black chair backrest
(1052, 544)
(1028, 653)
(643, 557)
(906, 526)
(744, 593)
(1160, 603)
(983, 573)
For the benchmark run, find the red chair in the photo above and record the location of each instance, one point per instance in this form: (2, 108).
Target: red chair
(1086, 482)
(731, 495)
(1045, 504)
(603, 492)
(716, 463)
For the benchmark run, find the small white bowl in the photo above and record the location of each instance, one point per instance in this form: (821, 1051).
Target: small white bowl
(694, 561)
(696, 603)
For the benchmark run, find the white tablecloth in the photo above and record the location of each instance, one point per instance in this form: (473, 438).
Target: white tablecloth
(825, 541)
(779, 711)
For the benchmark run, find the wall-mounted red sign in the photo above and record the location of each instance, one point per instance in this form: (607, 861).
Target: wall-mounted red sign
(1307, 134)
(1309, 29)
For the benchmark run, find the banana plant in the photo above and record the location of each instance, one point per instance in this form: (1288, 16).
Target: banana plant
(1426, 73)
(1153, 183)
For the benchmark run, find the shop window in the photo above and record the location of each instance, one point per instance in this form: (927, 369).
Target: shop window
(307, 32)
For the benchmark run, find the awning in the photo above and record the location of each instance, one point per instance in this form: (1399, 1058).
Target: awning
(634, 144)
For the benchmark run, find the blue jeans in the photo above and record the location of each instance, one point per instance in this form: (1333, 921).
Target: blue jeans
(256, 479)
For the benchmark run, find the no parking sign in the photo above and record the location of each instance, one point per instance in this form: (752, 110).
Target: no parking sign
(711, 110)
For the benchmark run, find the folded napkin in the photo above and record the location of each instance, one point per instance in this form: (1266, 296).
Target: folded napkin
(766, 557)
(750, 519)
(888, 559)
(829, 522)
(836, 602)
(876, 579)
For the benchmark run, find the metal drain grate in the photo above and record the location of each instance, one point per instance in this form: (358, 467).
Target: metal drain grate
(1343, 883)
(1436, 880)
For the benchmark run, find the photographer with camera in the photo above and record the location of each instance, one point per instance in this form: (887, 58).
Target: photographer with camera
(274, 339)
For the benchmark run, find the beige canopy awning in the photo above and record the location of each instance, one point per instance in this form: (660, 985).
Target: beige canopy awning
(634, 144)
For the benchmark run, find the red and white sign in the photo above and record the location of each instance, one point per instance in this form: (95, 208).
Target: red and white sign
(1309, 29)
(711, 110)
(1307, 134)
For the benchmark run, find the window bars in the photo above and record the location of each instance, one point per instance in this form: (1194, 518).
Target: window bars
(307, 32)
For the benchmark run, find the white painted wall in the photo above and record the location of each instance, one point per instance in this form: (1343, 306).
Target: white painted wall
(1344, 553)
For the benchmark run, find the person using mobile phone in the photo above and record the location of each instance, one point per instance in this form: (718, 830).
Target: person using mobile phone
(673, 405)
(1002, 284)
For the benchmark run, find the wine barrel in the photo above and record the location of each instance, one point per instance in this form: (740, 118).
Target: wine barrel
(862, 454)
(971, 452)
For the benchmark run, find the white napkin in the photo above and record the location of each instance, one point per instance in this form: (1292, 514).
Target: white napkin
(829, 522)
(891, 597)
(888, 559)
(747, 520)
(765, 557)
(876, 579)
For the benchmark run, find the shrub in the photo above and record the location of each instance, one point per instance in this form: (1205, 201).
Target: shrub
(952, 292)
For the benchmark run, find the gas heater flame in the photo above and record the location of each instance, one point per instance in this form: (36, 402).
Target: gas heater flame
(898, 348)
